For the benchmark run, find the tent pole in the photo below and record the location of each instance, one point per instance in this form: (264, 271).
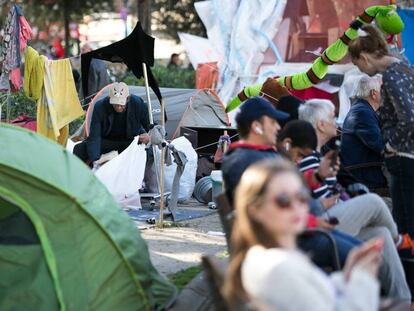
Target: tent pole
(163, 151)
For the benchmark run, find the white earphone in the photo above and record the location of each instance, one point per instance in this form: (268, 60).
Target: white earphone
(287, 146)
(258, 130)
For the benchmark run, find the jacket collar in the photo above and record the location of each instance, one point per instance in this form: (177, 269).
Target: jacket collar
(245, 145)
(363, 102)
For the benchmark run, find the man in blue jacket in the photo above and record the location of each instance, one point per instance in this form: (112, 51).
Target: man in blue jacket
(361, 141)
(116, 120)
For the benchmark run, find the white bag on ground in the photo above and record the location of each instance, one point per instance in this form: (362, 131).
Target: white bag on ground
(124, 174)
(187, 181)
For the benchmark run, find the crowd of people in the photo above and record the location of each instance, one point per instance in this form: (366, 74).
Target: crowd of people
(293, 170)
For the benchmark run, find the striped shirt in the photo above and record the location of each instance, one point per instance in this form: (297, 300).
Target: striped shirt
(308, 166)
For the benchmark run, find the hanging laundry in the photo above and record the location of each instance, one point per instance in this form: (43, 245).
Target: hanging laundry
(58, 104)
(134, 50)
(34, 72)
(16, 33)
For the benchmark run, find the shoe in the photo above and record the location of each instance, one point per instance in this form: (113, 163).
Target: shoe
(407, 243)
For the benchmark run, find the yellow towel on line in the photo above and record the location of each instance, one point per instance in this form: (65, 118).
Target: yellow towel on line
(34, 72)
(59, 103)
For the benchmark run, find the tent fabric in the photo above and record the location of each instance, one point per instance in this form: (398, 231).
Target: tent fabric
(407, 15)
(205, 109)
(90, 255)
(176, 103)
(206, 76)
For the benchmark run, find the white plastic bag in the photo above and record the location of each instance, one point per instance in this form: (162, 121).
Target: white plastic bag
(187, 181)
(124, 174)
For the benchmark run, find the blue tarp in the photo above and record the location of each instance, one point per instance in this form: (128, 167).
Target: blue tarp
(407, 16)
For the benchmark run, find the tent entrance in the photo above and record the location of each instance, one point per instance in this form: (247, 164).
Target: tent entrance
(15, 227)
(22, 262)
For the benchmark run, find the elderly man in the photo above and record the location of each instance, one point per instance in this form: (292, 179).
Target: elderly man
(116, 120)
(361, 141)
(365, 216)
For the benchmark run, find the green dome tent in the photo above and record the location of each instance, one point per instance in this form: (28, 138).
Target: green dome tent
(64, 242)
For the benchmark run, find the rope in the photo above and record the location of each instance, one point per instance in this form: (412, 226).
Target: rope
(215, 143)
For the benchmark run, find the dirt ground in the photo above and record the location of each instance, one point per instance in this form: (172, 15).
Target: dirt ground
(178, 248)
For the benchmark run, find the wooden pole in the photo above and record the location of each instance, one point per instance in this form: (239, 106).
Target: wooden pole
(225, 147)
(163, 151)
(144, 70)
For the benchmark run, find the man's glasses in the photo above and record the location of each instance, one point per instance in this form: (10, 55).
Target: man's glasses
(284, 200)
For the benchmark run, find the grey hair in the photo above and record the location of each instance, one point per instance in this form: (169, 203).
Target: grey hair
(315, 110)
(365, 85)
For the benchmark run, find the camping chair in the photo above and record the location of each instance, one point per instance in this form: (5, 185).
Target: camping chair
(382, 192)
(226, 213)
(215, 272)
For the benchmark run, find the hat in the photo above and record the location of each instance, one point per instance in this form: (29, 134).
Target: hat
(118, 93)
(256, 107)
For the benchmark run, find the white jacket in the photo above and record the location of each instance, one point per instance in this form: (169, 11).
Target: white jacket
(279, 279)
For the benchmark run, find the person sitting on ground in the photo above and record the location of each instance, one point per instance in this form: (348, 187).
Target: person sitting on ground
(363, 217)
(266, 268)
(116, 120)
(361, 140)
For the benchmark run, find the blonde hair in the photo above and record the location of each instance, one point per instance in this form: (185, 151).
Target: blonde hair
(247, 232)
(372, 43)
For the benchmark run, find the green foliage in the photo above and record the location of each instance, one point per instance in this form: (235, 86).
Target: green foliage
(19, 105)
(22, 105)
(172, 16)
(41, 13)
(175, 78)
(182, 278)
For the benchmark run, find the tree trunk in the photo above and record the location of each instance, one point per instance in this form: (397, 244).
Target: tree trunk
(66, 20)
(144, 14)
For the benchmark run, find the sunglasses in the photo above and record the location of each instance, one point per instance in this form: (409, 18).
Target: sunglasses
(284, 200)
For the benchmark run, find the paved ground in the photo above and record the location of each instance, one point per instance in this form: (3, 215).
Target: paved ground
(177, 248)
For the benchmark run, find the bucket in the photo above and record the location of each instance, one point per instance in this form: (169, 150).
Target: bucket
(203, 190)
(217, 184)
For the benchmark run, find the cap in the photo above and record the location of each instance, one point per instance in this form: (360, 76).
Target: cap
(118, 93)
(256, 107)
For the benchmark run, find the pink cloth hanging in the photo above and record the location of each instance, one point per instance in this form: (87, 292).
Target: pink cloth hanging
(25, 33)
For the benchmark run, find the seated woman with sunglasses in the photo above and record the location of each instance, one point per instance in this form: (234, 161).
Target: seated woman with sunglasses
(268, 270)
